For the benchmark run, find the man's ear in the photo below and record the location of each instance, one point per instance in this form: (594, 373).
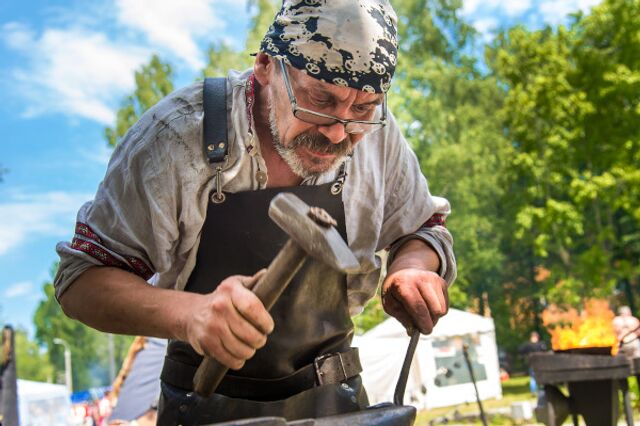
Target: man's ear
(263, 68)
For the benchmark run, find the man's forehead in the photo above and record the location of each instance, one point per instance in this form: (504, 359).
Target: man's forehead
(310, 83)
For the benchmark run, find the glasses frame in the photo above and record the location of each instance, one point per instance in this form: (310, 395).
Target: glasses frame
(345, 122)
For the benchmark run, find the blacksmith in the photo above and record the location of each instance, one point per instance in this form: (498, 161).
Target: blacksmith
(171, 241)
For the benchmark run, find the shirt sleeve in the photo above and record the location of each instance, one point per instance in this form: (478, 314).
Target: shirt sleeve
(134, 221)
(410, 205)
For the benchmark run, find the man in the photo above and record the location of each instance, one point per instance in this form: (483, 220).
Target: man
(526, 350)
(627, 329)
(309, 118)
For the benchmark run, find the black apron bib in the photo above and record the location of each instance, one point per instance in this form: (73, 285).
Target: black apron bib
(311, 319)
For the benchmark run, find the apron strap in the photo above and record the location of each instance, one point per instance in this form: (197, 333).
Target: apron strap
(214, 100)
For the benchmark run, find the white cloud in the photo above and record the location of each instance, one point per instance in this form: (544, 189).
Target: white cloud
(488, 15)
(515, 8)
(470, 7)
(83, 64)
(554, 12)
(27, 217)
(486, 25)
(73, 71)
(176, 25)
(18, 289)
(490, 7)
(16, 35)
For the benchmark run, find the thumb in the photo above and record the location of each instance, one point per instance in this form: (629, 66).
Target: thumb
(250, 282)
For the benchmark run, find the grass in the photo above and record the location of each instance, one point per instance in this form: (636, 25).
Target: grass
(513, 390)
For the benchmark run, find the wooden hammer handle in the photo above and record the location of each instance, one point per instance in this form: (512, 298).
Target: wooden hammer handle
(277, 277)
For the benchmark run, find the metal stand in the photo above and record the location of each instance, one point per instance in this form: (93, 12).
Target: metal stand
(465, 351)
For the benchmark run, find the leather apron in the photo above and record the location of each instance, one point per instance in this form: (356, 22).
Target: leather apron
(311, 319)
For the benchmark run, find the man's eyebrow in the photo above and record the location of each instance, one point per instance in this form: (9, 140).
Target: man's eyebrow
(332, 97)
(377, 101)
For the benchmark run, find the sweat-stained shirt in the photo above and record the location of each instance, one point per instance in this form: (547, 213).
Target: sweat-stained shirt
(148, 211)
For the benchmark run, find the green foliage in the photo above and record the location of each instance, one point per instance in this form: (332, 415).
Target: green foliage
(155, 79)
(372, 315)
(32, 362)
(263, 13)
(571, 111)
(223, 58)
(89, 347)
(447, 109)
(153, 82)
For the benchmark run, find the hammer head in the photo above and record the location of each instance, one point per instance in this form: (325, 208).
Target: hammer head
(322, 242)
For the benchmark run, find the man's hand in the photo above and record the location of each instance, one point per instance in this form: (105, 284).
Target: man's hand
(412, 293)
(416, 298)
(231, 323)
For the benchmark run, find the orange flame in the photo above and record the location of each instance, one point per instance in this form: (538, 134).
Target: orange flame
(592, 328)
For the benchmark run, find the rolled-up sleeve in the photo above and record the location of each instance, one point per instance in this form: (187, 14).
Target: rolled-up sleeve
(440, 239)
(134, 221)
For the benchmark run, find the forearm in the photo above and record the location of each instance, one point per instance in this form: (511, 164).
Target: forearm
(116, 301)
(416, 254)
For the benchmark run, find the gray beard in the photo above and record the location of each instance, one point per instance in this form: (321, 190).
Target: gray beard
(314, 141)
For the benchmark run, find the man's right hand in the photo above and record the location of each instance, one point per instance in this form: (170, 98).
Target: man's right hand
(231, 323)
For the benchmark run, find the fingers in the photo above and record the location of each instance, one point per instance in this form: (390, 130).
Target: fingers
(236, 322)
(251, 308)
(416, 297)
(435, 295)
(396, 309)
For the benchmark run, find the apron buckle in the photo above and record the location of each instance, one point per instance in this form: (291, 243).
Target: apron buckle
(327, 371)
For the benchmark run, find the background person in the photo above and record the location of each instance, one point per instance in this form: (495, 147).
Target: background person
(526, 350)
(627, 328)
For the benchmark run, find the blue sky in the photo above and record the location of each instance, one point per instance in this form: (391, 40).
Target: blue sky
(65, 66)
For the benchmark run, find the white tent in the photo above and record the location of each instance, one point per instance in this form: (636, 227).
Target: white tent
(43, 404)
(439, 375)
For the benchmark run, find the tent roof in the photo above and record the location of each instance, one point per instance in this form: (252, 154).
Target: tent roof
(141, 388)
(40, 390)
(455, 323)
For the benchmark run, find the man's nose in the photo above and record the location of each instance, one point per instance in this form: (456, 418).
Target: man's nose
(335, 133)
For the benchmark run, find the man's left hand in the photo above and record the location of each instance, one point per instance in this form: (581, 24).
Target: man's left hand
(416, 298)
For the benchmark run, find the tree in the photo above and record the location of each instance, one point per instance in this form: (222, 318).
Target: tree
(153, 82)
(32, 363)
(88, 346)
(446, 108)
(570, 111)
(223, 58)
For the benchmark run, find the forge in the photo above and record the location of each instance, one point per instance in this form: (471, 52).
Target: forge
(586, 385)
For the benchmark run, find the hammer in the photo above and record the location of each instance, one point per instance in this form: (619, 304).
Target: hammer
(312, 233)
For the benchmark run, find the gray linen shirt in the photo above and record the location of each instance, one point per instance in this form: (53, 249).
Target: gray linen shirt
(148, 212)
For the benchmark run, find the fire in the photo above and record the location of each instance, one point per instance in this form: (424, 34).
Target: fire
(592, 328)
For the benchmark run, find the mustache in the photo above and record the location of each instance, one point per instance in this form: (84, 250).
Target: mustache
(320, 143)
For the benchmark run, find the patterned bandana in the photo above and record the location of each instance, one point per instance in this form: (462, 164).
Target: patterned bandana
(349, 43)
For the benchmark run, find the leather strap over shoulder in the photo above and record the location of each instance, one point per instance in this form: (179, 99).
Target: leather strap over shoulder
(214, 99)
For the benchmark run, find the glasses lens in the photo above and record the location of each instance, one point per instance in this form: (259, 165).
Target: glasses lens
(312, 118)
(362, 128)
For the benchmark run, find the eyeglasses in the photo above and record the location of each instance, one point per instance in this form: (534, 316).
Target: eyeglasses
(354, 127)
